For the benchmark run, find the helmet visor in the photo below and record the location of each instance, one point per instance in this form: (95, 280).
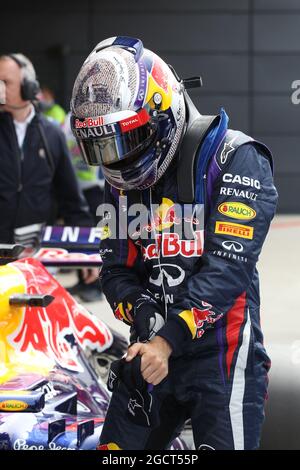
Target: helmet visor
(110, 143)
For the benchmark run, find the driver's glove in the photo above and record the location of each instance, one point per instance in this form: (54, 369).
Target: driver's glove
(148, 319)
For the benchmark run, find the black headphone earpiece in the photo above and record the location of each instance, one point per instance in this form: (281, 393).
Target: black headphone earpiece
(29, 87)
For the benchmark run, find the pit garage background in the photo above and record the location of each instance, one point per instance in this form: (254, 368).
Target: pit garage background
(247, 52)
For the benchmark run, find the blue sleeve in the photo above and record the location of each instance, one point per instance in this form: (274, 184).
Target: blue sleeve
(122, 270)
(221, 279)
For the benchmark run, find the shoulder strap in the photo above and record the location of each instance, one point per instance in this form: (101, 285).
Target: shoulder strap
(194, 136)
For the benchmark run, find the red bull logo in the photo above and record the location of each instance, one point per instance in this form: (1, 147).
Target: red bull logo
(169, 244)
(165, 219)
(89, 122)
(204, 315)
(45, 329)
(166, 215)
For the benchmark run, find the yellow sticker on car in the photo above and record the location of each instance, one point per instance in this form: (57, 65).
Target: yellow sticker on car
(13, 405)
(237, 210)
(235, 230)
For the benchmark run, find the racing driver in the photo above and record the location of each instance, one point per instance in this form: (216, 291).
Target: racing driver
(192, 302)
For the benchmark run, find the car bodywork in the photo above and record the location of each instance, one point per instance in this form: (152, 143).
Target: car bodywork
(50, 394)
(44, 371)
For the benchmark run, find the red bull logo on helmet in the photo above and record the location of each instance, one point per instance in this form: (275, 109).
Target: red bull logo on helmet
(89, 122)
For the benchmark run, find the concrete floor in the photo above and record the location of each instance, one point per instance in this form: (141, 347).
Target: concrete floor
(280, 285)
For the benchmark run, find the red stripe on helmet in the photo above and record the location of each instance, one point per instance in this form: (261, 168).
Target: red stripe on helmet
(140, 119)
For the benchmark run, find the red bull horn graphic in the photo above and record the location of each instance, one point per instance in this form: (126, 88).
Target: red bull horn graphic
(159, 74)
(202, 315)
(45, 329)
(168, 214)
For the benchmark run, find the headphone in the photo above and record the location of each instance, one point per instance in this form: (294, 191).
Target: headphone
(30, 87)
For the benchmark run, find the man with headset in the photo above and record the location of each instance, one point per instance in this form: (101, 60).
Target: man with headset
(191, 298)
(35, 167)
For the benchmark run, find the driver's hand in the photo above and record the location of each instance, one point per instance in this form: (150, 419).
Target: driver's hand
(155, 359)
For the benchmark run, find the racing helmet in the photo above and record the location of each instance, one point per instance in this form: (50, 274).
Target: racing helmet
(127, 112)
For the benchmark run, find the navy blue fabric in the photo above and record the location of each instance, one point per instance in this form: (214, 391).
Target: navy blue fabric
(212, 278)
(221, 280)
(195, 390)
(224, 355)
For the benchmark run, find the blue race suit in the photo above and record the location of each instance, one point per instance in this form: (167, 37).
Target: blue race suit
(218, 367)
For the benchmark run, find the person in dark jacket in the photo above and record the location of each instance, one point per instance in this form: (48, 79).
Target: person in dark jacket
(31, 179)
(188, 206)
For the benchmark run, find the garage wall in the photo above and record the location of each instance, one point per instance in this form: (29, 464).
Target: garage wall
(247, 52)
